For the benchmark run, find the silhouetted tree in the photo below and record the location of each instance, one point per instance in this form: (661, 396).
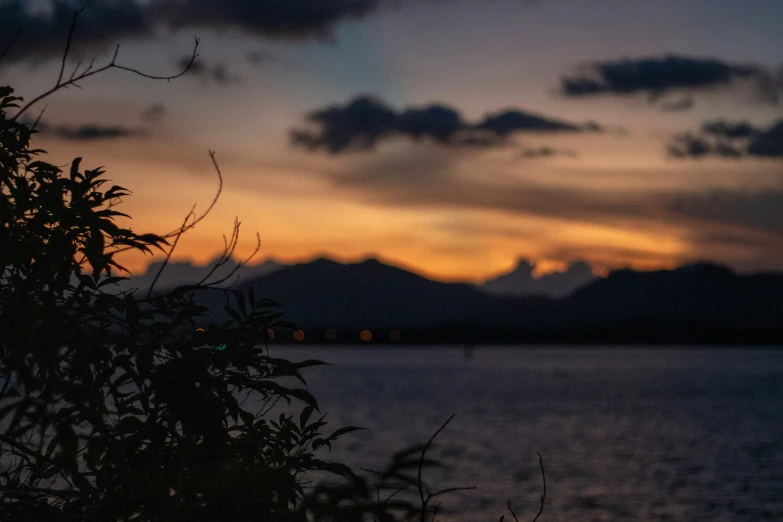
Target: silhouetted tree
(115, 407)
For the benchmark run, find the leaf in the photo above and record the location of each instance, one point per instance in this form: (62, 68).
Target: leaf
(247, 417)
(75, 169)
(337, 469)
(233, 314)
(310, 362)
(343, 431)
(304, 416)
(304, 395)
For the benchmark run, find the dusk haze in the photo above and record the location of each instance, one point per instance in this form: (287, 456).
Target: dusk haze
(391, 260)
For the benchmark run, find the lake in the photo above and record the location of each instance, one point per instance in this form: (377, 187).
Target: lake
(625, 433)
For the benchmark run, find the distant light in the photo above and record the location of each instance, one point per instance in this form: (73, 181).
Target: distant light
(221, 347)
(366, 335)
(299, 336)
(394, 335)
(331, 334)
(270, 333)
(199, 330)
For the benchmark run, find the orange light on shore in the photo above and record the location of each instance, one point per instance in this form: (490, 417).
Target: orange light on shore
(270, 333)
(331, 334)
(366, 335)
(394, 336)
(299, 336)
(199, 330)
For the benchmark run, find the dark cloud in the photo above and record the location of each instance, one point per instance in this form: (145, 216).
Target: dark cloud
(217, 73)
(547, 152)
(356, 126)
(293, 19)
(88, 132)
(508, 122)
(758, 210)
(436, 121)
(730, 140)
(154, 113)
(768, 143)
(687, 145)
(682, 105)
(658, 76)
(44, 32)
(105, 22)
(729, 130)
(363, 122)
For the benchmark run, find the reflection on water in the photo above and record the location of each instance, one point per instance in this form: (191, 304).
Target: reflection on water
(626, 434)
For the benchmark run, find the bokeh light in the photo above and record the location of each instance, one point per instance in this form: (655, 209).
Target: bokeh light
(331, 334)
(366, 335)
(394, 336)
(299, 336)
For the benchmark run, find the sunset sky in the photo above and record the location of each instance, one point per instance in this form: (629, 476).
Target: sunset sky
(450, 137)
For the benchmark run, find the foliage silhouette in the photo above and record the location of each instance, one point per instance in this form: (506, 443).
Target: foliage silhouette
(114, 407)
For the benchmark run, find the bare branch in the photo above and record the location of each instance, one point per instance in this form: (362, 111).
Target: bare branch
(451, 490)
(11, 43)
(68, 44)
(38, 119)
(171, 251)
(543, 495)
(72, 81)
(202, 216)
(512, 511)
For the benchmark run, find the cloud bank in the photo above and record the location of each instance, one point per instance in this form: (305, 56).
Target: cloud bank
(729, 140)
(105, 22)
(88, 132)
(658, 76)
(362, 123)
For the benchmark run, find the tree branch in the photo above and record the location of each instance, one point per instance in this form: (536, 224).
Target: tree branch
(543, 495)
(72, 81)
(11, 43)
(68, 44)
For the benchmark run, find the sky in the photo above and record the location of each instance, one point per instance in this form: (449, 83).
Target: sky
(449, 137)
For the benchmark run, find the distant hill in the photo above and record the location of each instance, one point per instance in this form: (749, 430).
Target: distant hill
(179, 273)
(370, 294)
(700, 303)
(701, 293)
(520, 281)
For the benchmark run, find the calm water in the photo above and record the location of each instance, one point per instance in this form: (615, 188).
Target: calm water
(626, 434)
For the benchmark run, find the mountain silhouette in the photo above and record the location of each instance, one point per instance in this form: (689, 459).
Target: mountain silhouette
(695, 303)
(369, 294)
(702, 293)
(179, 273)
(520, 280)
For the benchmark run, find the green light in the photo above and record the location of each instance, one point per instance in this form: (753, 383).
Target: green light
(221, 347)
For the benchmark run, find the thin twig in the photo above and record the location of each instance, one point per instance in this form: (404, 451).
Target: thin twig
(450, 490)
(202, 216)
(543, 495)
(512, 511)
(38, 119)
(421, 465)
(11, 43)
(168, 254)
(68, 44)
